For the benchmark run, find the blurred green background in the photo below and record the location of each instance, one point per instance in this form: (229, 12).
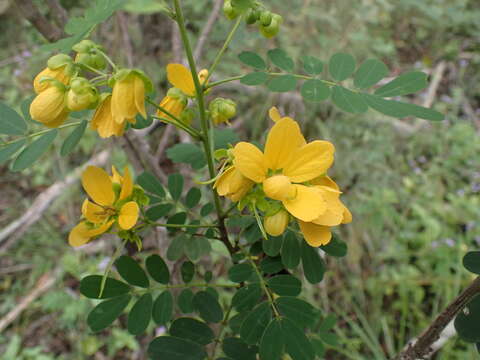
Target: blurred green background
(412, 186)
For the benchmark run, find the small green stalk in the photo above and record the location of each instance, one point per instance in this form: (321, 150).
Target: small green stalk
(199, 93)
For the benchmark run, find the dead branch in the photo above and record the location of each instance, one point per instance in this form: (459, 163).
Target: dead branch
(44, 200)
(207, 29)
(31, 12)
(45, 282)
(423, 345)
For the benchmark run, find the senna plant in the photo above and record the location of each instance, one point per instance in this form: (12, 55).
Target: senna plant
(272, 205)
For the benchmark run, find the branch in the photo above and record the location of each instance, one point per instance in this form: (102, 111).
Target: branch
(58, 12)
(45, 282)
(43, 201)
(31, 12)
(423, 346)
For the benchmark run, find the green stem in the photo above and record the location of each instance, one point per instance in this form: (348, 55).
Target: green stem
(227, 80)
(41, 132)
(174, 120)
(106, 57)
(109, 266)
(224, 48)
(89, 68)
(203, 120)
(177, 286)
(221, 331)
(238, 77)
(192, 226)
(262, 283)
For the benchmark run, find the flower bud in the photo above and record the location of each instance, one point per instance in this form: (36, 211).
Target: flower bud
(49, 106)
(84, 46)
(44, 79)
(95, 61)
(82, 95)
(202, 76)
(229, 10)
(174, 102)
(58, 60)
(187, 116)
(222, 110)
(265, 18)
(272, 29)
(252, 16)
(275, 225)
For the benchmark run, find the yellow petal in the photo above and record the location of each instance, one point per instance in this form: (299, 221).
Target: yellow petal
(282, 141)
(222, 184)
(347, 216)
(140, 96)
(250, 161)
(93, 212)
(127, 184)
(116, 177)
(103, 120)
(307, 205)
(274, 114)
(276, 225)
(49, 107)
(315, 235)
(128, 215)
(325, 181)
(310, 161)
(181, 77)
(123, 99)
(279, 187)
(98, 185)
(82, 233)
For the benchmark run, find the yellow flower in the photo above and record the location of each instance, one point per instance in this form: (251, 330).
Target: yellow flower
(233, 184)
(103, 122)
(107, 206)
(288, 162)
(50, 107)
(293, 171)
(175, 102)
(57, 74)
(181, 77)
(128, 98)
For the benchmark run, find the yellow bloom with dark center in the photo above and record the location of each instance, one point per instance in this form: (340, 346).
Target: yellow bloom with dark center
(107, 206)
(103, 122)
(181, 77)
(50, 107)
(232, 184)
(128, 98)
(58, 74)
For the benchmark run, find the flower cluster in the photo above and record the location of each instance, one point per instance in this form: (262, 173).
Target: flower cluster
(288, 179)
(62, 89)
(114, 202)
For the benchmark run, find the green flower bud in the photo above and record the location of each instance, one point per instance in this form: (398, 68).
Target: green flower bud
(84, 46)
(265, 18)
(82, 95)
(58, 60)
(187, 116)
(95, 61)
(229, 11)
(272, 29)
(252, 16)
(222, 110)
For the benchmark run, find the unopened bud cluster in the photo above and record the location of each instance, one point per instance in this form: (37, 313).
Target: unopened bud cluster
(267, 21)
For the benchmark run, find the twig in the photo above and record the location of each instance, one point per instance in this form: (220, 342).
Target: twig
(167, 133)
(58, 12)
(423, 345)
(127, 43)
(45, 282)
(31, 12)
(43, 201)
(207, 29)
